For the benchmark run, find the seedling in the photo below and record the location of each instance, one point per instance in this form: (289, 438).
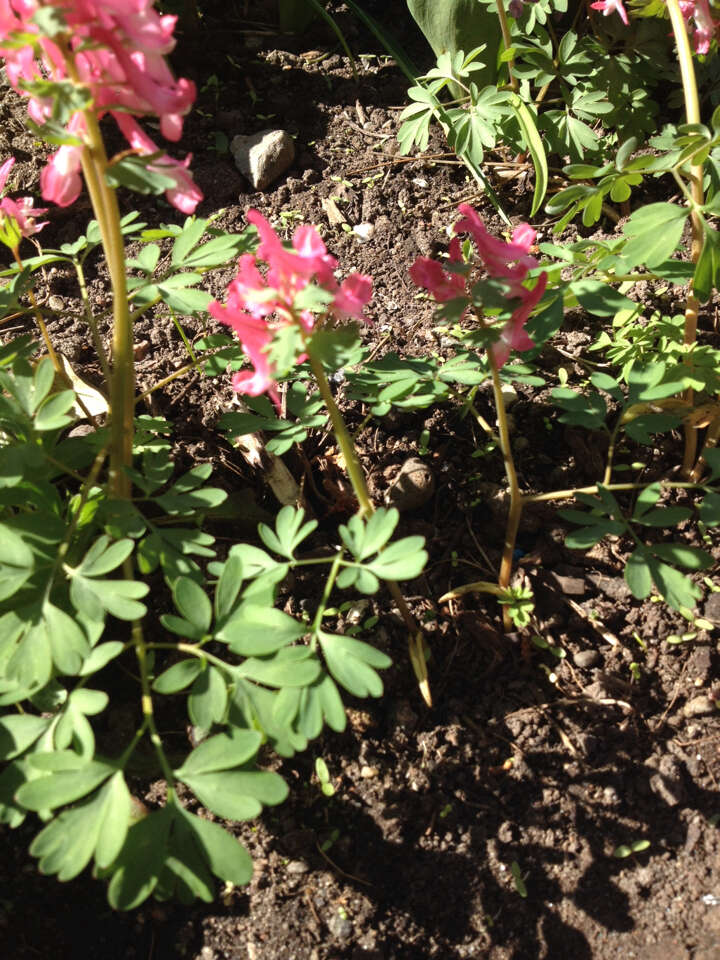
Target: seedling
(519, 879)
(323, 775)
(627, 850)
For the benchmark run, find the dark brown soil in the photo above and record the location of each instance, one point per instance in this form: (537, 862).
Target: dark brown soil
(528, 764)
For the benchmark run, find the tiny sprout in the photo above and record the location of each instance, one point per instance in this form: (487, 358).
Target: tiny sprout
(446, 811)
(323, 775)
(636, 671)
(627, 850)
(518, 879)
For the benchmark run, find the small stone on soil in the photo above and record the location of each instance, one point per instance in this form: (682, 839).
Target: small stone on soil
(699, 707)
(340, 926)
(263, 157)
(586, 659)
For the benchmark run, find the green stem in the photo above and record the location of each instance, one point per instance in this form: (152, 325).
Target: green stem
(611, 454)
(63, 548)
(122, 377)
(353, 466)
(356, 476)
(516, 497)
(92, 322)
(507, 42)
(141, 651)
(329, 584)
(692, 113)
(612, 487)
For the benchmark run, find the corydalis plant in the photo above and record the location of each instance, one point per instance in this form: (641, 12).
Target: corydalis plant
(506, 265)
(701, 26)
(299, 283)
(275, 318)
(75, 56)
(17, 217)
(489, 284)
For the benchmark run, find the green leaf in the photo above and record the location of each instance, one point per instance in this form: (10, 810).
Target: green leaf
(58, 789)
(193, 603)
(585, 411)
(104, 556)
(53, 412)
(256, 630)
(289, 532)
(208, 699)
(118, 597)
(599, 298)
(178, 677)
(18, 732)
(16, 564)
(654, 232)
(707, 270)
(228, 587)
(317, 702)
(282, 672)
(363, 539)
(140, 862)
(709, 511)
(590, 535)
(221, 752)
(135, 173)
(235, 794)
(226, 856)
(637, 574)
(537, 151)
(353, 664)
(192, 232)
(664, 517)
(674, 587)
(402, 560)
(97, 826)
(68, 642)
(100, 656)
(691, 557)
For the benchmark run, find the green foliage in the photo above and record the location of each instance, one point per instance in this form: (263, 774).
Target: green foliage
(460, 25)
(251, 673)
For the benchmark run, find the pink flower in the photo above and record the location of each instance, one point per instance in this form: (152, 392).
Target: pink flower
(705, 27)
(117, 49)
(611, 6)
(513, 335)
(185, 195)
(60, 180)
(508, 262)
(257, 305)
(353, 295)
(20, 212)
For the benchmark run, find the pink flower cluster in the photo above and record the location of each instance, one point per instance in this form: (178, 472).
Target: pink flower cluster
(19, 212)
(702, 27)
(508, 262)
(253, 300)
(115, 48)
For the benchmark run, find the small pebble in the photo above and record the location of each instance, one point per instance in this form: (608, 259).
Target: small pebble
(413, 486)
(363, 231)
(699, 707)
(340, 926)
(296, 867)
(368, 773)
(586, 659)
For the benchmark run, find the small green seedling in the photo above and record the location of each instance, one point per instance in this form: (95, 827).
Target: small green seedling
(627, 850)
(518, 879)
(323, 775)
